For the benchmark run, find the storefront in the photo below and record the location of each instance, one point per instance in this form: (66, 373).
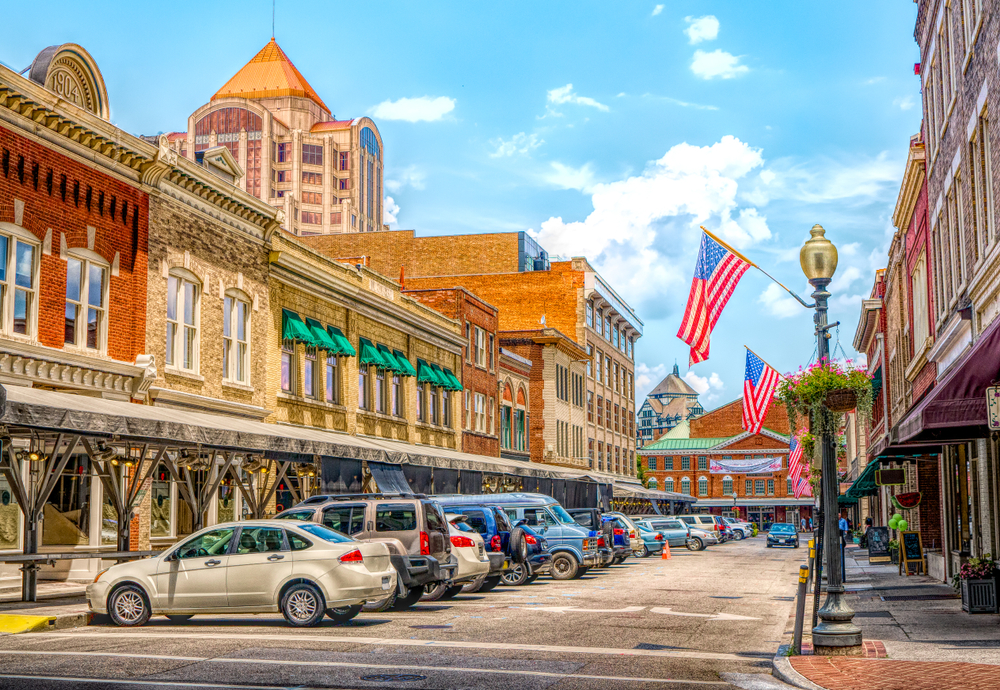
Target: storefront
(762, 512)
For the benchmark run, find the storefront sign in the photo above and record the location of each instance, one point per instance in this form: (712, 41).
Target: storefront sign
(911, 553)
(878, 545)
(993, 406)
(891, 477)
(745, 465)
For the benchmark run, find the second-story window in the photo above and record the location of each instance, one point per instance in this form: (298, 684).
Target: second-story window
(364, 395)
(283, 153)
(182, 322)
(345, 160)
(312, 154)
(380, 390)
(288, 372)
(309, 374)
(235, 339)
(590, 314)
(86, 303)
(492, 346)
(18, 280)
(397, 396)
(332, 379)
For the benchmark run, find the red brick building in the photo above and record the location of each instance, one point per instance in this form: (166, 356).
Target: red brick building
(480, 364)
(730, 471)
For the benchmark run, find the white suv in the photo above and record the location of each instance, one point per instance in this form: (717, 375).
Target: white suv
(741, 530)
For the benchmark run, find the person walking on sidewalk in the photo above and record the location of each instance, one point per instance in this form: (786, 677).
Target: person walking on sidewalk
(803, 524)
(844, 527)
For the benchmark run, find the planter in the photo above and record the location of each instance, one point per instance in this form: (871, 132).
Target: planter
(842, 400)
(979, 596)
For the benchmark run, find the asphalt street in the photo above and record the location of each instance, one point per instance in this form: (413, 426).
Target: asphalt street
(687, 622)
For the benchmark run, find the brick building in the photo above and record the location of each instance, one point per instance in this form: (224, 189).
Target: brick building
(730, 471)
(515, 381)
(510, 271)
(480, 412)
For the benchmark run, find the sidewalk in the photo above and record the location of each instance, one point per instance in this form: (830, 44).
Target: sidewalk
(929, 642)
(60, 605)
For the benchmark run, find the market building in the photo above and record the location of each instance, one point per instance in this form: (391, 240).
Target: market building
(730, 471)
(671, 403)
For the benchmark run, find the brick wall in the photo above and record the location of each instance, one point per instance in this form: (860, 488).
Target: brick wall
(49, 215)
(727, 420)
(930, 503)
(536, 401)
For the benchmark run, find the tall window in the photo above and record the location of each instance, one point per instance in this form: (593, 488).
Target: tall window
(702, 486)
(397, 396)
(288, 368)
(432, 399)
(702, 462)
(480, 347)
(380, 390)
(446, 410)
(421, 409)
(86, 299)
(748, 487)
(590, 314)
(686, 486)
(607, 327)
(727, 486)
(918, 288)
(183, 295)
(18, 278)
(600, 367)
(284, 151)
(758, 487)
(668, 484)
(590, 356)
(332, 379)
(345, 160)
(312, 154)
(492, 407)
(364, 392)
(590, 406)
(600, 321)
(309, 373)
(235, 349)
(651, 461)
(492, 345)
(685, 462)
(607, 412)
(468, 409)
(770, 487)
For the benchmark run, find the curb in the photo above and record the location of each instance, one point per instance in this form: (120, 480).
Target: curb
(783, 671)
(15, 624)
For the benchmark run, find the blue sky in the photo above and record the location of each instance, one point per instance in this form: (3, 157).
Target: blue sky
(610, 130)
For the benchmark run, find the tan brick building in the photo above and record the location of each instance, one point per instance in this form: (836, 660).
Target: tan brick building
(511, 271)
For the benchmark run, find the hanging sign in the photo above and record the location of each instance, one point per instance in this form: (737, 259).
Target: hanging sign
(745, 465)
(993, 406)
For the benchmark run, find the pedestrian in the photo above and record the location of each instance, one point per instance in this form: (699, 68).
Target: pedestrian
(843, 527)
(803, 524)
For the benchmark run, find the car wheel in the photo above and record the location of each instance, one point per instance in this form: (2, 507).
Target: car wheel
(380, 605)
(302, 605)
(531, 578)
(641, 553)
(433, 591)
(768, 546)
(343, 614)
(564, 567)
(408, 600)
(128, 606)
(474, 586)
(179, 617)
(796, 545)
(489, 583)
(695, 544)
(739, 535)
(516, 576)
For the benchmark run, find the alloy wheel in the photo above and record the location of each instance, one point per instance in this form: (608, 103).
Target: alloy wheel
(129, 606)
(302, 605)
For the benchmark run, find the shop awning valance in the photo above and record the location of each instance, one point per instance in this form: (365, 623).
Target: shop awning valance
(453, 383)
(865, 484)
(426, 374)
(391, 363)
(370, 354)
(404, 363)
(320, 336)
(292, 328)
(344, 346)
(846, 500)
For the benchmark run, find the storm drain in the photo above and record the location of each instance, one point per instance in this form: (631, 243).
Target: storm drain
(392, 677)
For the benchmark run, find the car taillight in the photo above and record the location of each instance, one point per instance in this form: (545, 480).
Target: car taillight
(530, 539)
(619, 531)
(496, 544)
(632, 534)
(462, 542)
(659, 537)
(600, 542)
(352, 557)
(425, 544)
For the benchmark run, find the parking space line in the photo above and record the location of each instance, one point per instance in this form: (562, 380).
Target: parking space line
(347, 664)
(83, 633)
(151, 683)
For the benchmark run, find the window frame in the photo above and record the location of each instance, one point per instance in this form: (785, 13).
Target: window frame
(230, 363)
(88, 258)
(9, 288)
(183, 277)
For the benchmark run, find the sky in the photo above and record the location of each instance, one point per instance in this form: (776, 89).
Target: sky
(611, 131)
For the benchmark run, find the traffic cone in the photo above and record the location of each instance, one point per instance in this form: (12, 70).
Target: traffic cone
(666, 551)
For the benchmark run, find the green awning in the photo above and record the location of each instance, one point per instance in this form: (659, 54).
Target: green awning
(442, 379)
(320, 336)
(846, 500)
(426, 373)
(370, 354)
(456, 385)
(404, 363)
(391, 363)
(865, 485)
(343, 344)
(292, 328)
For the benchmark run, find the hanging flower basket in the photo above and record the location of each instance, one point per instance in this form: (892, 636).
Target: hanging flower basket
(842, 400)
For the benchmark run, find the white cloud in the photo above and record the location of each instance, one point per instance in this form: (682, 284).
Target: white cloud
(707, 386)
(410, 176)
(422, 109)
(779, 303)
(657, 10)
(520, 143)
(675, 101)
(904, 103)
(568, 177)
(564, 94)
(718, 63)
(643, 232)
(390, 211)
(701, 28)
(646, 377)
(822, 180)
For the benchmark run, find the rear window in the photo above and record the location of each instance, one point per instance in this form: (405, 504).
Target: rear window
(503, 524)
(584, 519)
(324, 533)
(435, 519)
(304, 515)
(689, 520)
(395, 518)
(463, 527)
(477, 521)
(673, 524)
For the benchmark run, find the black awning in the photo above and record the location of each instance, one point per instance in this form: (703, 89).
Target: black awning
(419, 478)
(340, 475)
(445, 481)
(389, 478)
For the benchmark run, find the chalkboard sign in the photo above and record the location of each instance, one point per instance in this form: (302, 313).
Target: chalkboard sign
(878, 545)
(911, 552)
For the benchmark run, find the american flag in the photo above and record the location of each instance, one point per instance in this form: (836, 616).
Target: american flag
(794, 460)
(715, 277)
(802, 488)
(759, 383)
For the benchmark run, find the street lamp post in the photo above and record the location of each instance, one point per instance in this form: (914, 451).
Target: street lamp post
(835, 633)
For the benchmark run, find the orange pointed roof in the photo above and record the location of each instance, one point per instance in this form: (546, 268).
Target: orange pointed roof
(270, 74)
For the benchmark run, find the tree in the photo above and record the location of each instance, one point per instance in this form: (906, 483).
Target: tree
(640, 471)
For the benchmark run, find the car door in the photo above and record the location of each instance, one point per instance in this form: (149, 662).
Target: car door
(398, 520)
(676, 532)
(194, 575)
(258, 565)
(346, 518)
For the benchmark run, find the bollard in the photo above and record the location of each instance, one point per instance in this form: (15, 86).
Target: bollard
(800, 609)
(812, 560)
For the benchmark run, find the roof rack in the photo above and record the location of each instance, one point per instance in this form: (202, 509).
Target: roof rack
(313, 500)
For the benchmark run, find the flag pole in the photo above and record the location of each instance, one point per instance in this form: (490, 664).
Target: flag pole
(782, 286)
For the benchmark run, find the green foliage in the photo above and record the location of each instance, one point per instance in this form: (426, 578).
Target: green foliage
(640, 471)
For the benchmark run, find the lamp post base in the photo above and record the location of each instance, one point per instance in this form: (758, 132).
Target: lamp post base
(836, 634)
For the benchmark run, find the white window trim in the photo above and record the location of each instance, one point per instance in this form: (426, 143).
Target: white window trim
(19, 234)
(185, 275)
(86, 258)
(228, 376)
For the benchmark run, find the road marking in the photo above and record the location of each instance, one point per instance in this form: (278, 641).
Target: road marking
(385, 641)
(153, 683)
(577, 609)
(710, 616)
(338, 664)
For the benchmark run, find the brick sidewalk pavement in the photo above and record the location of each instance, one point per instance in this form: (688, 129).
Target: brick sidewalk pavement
(847, 673)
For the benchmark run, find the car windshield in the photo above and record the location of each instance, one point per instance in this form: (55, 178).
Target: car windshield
(324, 533)
(561, 515)
(783, 528)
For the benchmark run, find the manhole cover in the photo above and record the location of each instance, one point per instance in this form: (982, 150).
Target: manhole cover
(392, 677)
(429, 627)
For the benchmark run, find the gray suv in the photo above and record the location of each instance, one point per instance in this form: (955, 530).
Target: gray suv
(411, 525)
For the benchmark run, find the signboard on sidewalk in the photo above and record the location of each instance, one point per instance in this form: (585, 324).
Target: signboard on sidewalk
(911, 553)
(878, 545)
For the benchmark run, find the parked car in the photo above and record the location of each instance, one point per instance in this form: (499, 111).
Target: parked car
(468, 549)
(608, 546)
(709, 523)
(783, 534)
(741, 530)
(537, 557)
(573, 549)
(652, 540)
(301, 569)
(492, 524)
(412, 526)
(695, 539)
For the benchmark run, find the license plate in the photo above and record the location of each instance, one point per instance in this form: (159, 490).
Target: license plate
(385, 583)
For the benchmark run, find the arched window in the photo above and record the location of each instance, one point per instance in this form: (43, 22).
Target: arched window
(652, 483)
(668, 484)
(506, 417)
(727, 485)
(686, 486)
(521, 420)
(227, 123)
(183, 306)
(703, 486)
